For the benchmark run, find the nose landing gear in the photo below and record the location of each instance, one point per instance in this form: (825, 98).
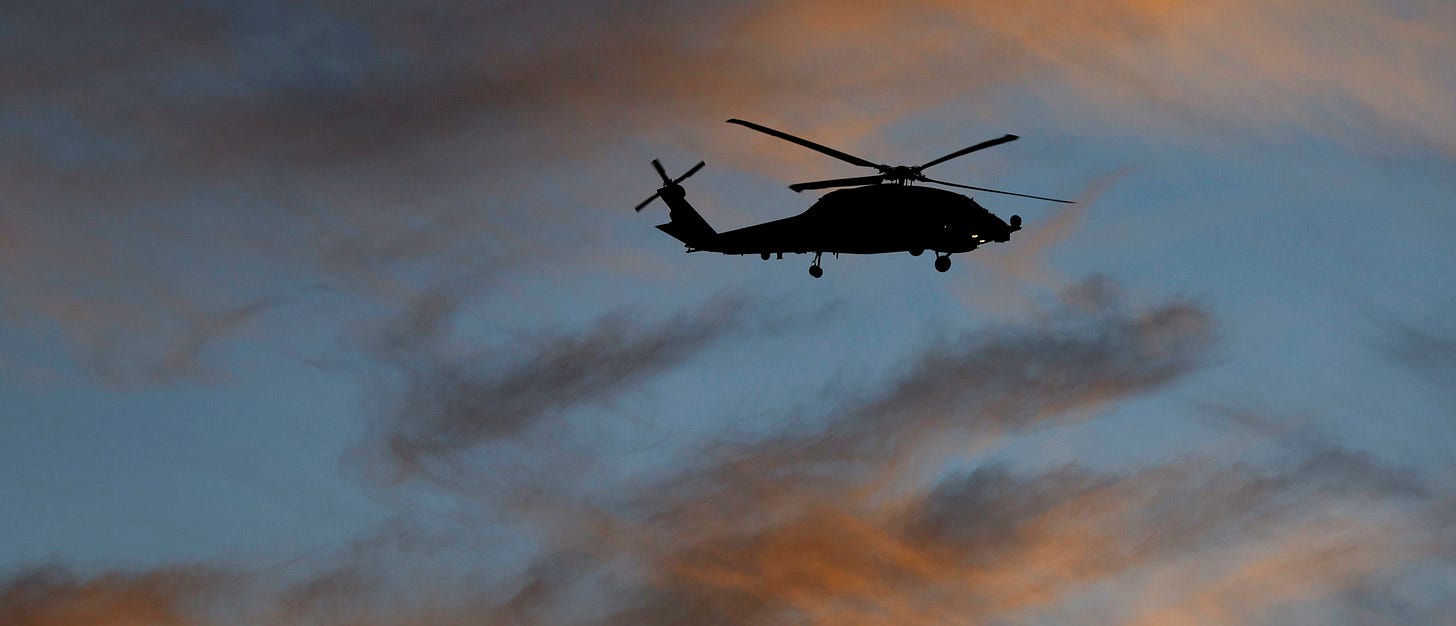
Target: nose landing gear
(942, 263)
(815, 270)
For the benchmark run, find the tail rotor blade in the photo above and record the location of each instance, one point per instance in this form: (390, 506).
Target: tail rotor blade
(644, 203)
(1008, 193)
(662, 172)
(689, 172)
(980, 146)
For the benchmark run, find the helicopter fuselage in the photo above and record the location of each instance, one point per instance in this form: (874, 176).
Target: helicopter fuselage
(874, 219)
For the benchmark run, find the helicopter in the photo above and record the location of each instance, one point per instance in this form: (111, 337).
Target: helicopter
(875, 214)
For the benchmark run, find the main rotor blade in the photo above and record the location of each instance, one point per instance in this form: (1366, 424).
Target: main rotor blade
(980, 146)
(657, 165)
(941, 182)
(689, 172)
(843, 156)
(838, 182)
(644, 203)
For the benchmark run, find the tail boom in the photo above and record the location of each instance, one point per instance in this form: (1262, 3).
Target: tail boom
(685, 224)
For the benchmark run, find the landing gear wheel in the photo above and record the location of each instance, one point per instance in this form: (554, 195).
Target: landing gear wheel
(816, 271)
(763, 255)
(942, 263)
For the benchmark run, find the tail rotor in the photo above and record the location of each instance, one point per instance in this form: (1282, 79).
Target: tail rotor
(666, 182)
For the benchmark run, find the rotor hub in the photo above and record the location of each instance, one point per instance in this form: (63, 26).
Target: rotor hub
(901, 173)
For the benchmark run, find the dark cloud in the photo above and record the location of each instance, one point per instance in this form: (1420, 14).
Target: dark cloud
(1420, 341)
(1427, 351)
(179, 360)
(451, 400)
(970, 388)
(1010, 378)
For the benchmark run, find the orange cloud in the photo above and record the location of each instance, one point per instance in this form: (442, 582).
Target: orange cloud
(56, 598)
(356, 148)
(876, 517)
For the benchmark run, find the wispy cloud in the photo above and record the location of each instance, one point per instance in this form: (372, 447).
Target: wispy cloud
(445, 401)
(1427, 351)
(883, 514)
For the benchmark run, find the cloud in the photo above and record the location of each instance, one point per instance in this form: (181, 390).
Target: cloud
(1428, 351)
(1189, 542)
(997, 545)
(54, 597)
(883, 512)
(183, 359)
(831, 527)
(963, 391)
(810, 526)
(449, 401)
(276, 146)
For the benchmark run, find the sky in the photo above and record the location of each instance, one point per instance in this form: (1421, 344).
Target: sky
(337, 313)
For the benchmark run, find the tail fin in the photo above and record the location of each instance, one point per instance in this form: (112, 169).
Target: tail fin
(685, 225)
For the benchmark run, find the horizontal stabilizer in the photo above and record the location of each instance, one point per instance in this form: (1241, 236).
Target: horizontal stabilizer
(694, 233)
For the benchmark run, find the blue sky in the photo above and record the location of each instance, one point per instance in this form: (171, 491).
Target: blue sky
(337, 313)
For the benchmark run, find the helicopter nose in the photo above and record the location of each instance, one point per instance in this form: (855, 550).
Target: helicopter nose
(1004, 234)
(1013, 226)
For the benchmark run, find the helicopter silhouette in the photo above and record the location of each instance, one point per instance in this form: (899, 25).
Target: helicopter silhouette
(877, 214)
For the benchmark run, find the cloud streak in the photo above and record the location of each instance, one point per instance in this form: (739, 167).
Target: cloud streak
(883, 513)
(450, 401)
(867, 520)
